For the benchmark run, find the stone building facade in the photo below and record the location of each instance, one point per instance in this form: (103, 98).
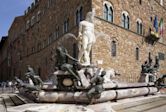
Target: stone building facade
(121, 28)
(131, 48)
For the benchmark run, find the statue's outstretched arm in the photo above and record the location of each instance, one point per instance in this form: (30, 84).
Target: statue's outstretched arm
(70, 57)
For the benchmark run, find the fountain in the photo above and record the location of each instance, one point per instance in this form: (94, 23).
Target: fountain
(82, 82)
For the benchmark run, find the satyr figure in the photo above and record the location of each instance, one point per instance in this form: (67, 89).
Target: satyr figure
(30, 70)
(34, 77)
(86, 38)
(96, 87)
(145, 67)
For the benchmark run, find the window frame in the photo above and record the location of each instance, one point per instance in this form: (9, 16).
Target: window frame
(78, 15)
(32, 20)
(125, 20)
(137, 53)
(113, 48)
(108, 12)
(139, 26)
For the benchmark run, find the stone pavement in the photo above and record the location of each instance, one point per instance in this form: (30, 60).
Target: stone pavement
(10, 100)
(156, 103)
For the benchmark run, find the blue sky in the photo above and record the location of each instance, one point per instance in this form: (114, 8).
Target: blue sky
(9, 9)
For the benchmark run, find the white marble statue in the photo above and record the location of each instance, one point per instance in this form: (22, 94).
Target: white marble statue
(86, 38)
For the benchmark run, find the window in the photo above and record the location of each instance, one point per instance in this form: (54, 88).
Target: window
(113, 50)
(57, 32)
(27, 24)
(161, 2)
(137, 53)
(33, 49)
(38, 16)
(140, 2)
(105, 12)
(50, 39)
(39, 46)
(77, 18)
(125, 20)
(79, 15)
(139, 26)
(108, 12)
(66, 26)
(32, 20)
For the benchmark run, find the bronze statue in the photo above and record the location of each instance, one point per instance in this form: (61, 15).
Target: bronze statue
(29, 87)
(35, 78)
(145, 67)
(62, 64)
(96, 87)
(148, 67)
(30, 70)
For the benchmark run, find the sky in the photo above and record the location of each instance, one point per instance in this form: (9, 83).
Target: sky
(9, 9)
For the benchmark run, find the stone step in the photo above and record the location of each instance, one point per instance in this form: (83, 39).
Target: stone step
(134, 104)
(8, 102)
(1, 101)
(145, 107)
(158, 109)
(24, 99)
(16, 100)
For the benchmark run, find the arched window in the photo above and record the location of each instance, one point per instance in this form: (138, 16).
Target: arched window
(38, 16)
(139, 26)
(113, 49)
(105, 12)
(161, 2)
(140, 2)
(66, 26)
(137, 53)
(57, 32)
(79, 15)
(108, 12)
(125, 20)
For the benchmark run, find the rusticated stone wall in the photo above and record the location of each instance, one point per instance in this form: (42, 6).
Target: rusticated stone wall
(127, 40)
